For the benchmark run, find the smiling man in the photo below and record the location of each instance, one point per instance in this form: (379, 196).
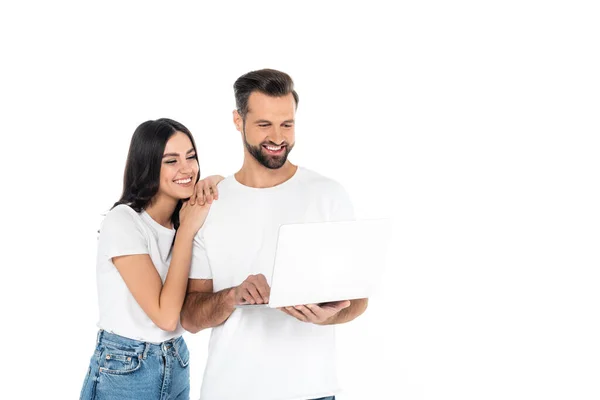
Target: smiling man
(264, 354)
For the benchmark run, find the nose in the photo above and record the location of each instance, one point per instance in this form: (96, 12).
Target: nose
(277, 135)
(187, 167)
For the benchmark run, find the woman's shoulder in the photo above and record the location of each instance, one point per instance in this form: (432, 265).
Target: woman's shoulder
(123, 211)
(121, 215)
(122, 232)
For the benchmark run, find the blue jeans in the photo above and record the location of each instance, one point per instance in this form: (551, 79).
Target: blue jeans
(128, 369)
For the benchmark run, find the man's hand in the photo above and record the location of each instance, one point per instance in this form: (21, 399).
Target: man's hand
(317, 314)
(254, 290)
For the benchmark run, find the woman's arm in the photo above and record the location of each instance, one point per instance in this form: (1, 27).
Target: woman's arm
(162, 303)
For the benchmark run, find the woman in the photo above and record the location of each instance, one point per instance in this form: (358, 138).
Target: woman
(144, 254)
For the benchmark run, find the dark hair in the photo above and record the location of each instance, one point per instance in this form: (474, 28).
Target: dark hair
(141, 179)
(268, 81)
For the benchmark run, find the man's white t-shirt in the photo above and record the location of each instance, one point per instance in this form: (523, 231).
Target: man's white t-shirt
(126, 232)
(265, 354)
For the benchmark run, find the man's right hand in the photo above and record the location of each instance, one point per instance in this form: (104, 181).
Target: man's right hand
(254, 290)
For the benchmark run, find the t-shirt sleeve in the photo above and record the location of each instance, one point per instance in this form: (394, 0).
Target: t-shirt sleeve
(200, 268)
(342, 208)
(121, 234)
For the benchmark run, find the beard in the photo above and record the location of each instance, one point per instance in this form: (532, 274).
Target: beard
(268, 160)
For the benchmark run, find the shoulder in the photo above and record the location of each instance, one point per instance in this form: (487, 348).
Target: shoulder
(123, 212)
(121, 216)
(323, 184)
(227, 184)
(123, 232)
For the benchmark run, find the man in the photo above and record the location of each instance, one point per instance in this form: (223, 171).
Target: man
(263, 354)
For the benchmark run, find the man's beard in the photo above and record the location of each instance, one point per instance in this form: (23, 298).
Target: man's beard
(268, 160)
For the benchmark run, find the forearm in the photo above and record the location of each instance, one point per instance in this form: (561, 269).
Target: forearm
(206, 310)
(356, 308)
(172, 294)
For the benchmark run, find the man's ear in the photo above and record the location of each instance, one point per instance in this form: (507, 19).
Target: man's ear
(238, 121)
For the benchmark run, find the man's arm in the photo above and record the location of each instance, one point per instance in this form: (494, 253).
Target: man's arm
(204, 309)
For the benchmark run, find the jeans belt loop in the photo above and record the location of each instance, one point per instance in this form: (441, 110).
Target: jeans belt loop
(146, 347)
(99, 336)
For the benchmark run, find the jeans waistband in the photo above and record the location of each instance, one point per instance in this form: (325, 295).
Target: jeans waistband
(137, 346)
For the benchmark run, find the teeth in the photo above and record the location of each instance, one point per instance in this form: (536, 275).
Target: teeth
(273, 148)
(182, 181)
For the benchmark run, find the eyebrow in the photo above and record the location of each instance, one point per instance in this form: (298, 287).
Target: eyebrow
(264, 121)
(177, 154)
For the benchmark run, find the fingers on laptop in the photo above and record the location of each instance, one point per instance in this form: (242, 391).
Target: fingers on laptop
(254, 290)
(316, 313)
(292, 311)
(305, 313)
(338, 305)
(310, 312)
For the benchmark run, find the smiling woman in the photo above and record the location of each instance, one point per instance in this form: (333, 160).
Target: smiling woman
(144, 254)
(179, 170)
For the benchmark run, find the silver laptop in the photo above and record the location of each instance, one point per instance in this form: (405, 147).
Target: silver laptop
(327, 261)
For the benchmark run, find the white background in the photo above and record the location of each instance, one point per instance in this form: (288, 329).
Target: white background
(473, 123)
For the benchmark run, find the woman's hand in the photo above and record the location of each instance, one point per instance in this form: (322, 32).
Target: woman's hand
(192, 217)
(206, 190)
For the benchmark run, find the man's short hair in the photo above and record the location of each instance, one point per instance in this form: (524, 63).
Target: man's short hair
(268, 81)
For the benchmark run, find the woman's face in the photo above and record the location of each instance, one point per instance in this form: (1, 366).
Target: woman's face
(179, 168)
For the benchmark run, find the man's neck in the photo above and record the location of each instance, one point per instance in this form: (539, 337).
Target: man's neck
(256, 175)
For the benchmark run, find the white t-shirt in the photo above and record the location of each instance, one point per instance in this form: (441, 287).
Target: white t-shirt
(265, 354)
(126, 232)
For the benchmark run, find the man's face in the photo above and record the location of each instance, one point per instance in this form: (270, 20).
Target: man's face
(268, 131)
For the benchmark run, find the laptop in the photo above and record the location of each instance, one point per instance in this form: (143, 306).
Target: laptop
(320, 262)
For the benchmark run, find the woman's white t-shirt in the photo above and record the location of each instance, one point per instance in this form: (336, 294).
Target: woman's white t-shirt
(125, 232)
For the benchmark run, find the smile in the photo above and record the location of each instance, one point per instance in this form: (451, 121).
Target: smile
(183, 181)
(274, 149)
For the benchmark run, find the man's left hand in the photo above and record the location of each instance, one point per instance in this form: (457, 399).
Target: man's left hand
(315, 313)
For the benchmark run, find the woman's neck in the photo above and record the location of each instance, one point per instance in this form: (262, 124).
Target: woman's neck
(161, 210)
